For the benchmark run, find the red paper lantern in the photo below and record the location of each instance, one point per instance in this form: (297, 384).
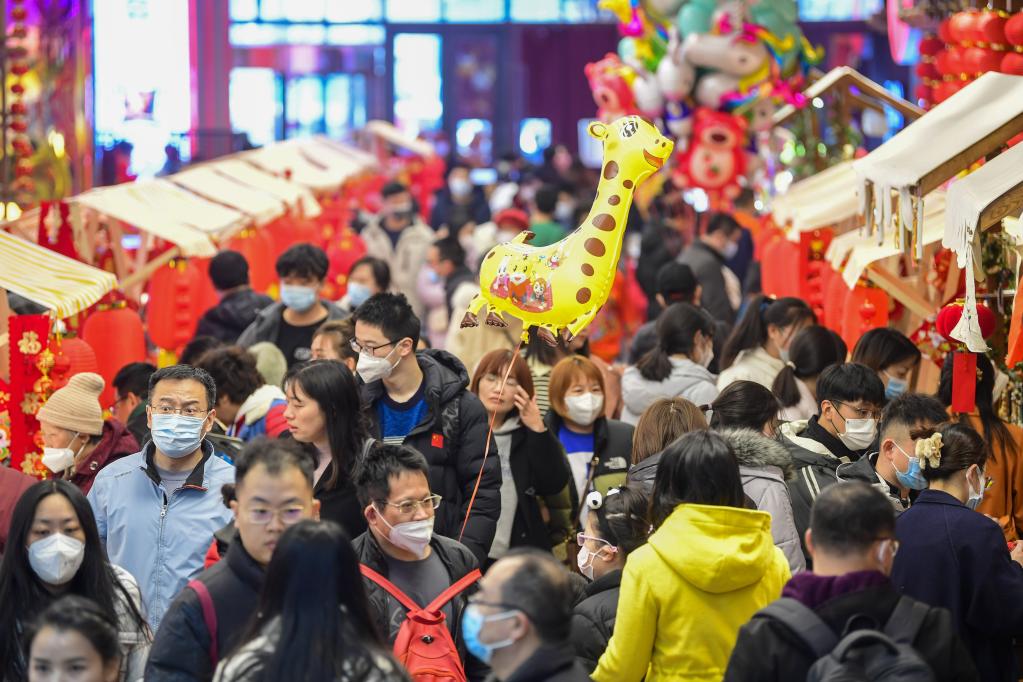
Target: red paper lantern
(961, 26)
(18, 108)
(207, 292)
(18, 126)
(342, 253)
(923, 91)
(171, 314)
(19, 13)
(835, 296)
(1014, 29)
(990, 28)
(945, 30)
(981, 59)
(1012, 64)
(948, 318)
(119, 334)
(928, 70)
(931, 45)
(71, 356)
(257, 247)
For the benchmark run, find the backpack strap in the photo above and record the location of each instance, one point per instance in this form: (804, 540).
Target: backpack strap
(447, 595)
(209, 616)
(906, 620)
(803, 622)
(391, 588)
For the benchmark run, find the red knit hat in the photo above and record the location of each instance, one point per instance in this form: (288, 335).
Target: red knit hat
(514, 216)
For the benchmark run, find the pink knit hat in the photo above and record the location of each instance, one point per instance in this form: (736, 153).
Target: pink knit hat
(76, 406)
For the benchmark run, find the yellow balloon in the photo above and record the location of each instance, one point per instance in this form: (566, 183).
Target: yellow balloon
(560, 288)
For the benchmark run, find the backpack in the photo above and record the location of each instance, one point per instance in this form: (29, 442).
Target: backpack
(424, 645)
(867, 655)
(209, 617)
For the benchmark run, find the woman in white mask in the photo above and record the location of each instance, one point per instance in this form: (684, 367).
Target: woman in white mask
(367, 277)
(616, 524)
(599, 449)
(758, 347)
(676, 367)
(54, 550)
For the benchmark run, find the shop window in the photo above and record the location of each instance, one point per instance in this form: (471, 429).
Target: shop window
(417, 82)
(534, 137)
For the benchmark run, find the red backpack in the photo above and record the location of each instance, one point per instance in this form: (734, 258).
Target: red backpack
(424, 645)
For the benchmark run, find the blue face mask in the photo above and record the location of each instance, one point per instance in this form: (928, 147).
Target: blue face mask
(912, 478)
(358, 294)
(472, 623)
(297, 297)
(895, 387)
(176, 435)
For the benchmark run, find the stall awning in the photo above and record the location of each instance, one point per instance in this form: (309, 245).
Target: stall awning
(206, 182)
(390, 133)
(295, 196)
(982, 198)
(57, 282)
(309, 162)
(827, 198)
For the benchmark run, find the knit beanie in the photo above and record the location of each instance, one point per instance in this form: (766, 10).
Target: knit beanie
(76, 406)
(270, 362)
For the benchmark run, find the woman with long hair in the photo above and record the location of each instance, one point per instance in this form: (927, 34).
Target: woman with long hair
(661, 424)
(758, 347)
(892, 355)
(73, 639)
(313, 622)
(532, 461)
(325, 412)
(676, 366)
(54, 550)
(1003, 501)
(812, 351)
(709, 565)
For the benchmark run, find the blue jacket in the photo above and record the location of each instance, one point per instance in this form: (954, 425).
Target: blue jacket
(953, 557)
(159, 539)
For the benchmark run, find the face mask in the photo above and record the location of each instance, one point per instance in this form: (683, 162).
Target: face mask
(563, 211)
(895, 387)
(371, 368)
(176, 435)
(56, 558)
(975, 495)
(459, 186)
(731, 248)
(358, 294)
(859, 433)
(412, 535)
(911, 478)
(59, 459)
(783, 354)
(708, 356)
(298, 298)
(472, 623)
(584, 409)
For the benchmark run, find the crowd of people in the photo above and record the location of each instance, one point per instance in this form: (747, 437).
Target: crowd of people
(361, 490)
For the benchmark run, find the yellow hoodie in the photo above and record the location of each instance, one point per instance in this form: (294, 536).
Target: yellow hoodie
(686, 593)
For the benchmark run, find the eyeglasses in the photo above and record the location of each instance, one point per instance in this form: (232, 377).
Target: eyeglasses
(496, 379)
(409, 507)
(358, 347)
(861, 412)
(184, 411)
(261, 517)
(581, 538)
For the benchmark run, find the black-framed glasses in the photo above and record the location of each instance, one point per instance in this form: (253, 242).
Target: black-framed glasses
(358, 347)
(183, 411)
(861, 412)
(409, 507)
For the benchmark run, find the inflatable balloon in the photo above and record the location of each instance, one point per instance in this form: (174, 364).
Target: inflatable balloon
(647, 93)
(715, 159)
(611, 84)
(675, 75)
(695, 17)
(735, 55)
(714, 88)
(558, 289)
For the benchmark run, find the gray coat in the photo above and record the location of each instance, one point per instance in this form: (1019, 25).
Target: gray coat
(687, 380)
(706, 264)
(765, 465)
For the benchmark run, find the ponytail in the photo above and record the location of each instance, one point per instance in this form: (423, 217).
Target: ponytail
(762, 312)
(813, 350)
(784, 387)
(676, 332)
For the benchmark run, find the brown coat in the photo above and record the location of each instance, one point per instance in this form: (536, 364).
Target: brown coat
(1003, 501)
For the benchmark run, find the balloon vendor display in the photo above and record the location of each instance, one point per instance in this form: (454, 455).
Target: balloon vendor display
(710, 74)
(558, 289)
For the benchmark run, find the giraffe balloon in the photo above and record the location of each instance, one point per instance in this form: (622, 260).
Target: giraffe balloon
(560, 288)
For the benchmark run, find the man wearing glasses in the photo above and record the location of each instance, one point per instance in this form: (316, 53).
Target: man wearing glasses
(274, 490)
(157, 510)
(401, 547)
(849, 397)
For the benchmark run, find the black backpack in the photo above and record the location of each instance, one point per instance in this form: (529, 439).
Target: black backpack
(866, 655)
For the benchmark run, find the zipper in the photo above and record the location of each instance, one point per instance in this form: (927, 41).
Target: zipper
(159, 544)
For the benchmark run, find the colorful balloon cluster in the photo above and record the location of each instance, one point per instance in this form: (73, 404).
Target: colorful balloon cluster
(969, 43)
(708, 72)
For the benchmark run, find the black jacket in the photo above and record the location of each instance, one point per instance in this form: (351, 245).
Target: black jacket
(593, 620)
(767, 651)
(340, 504)
(540, 468)
(452, 436)
(612, 448)
(864, 470)
(268, 322)
(229, 318)
(706, 264)
(550, 663)
(181, 649)
(659, 245)
(386, 610)
(137, 424)
(444, 205)
(645, 472)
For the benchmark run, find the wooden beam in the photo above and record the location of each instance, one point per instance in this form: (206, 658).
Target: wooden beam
(900, 290)
(961, 161)
(1008, 204)
(5, 356)
(142, 274)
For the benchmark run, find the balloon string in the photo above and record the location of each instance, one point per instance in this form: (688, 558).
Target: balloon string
(486, 449)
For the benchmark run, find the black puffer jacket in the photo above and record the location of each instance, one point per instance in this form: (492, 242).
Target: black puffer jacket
(181, 649)
(452, 436)
(229, 318)
(593, 620)
(645, 473)
(386, 610)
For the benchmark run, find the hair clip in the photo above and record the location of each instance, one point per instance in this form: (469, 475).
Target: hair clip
(929, 451)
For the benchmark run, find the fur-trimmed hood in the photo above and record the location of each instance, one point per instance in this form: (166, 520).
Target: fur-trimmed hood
(753, 449)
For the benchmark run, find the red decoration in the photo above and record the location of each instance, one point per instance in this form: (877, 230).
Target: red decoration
(342, 253)
(945, 30)
(865, 308)
(17, 88)
(1014, 30)
(928, 70)
(18, 126)
(19, 13)
(1012, 64)
(982, 59)
(990, 28)
(118, 333)
(29, 335)
(961, 26)
(19, 68)
(72, 356)
(931, 46)
(18, 109)
(257, 246)
(964, 369)
(171, 314)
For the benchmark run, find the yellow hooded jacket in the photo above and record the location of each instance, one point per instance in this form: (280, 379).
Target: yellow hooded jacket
(686, 593)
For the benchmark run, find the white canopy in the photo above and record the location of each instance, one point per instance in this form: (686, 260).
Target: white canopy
(827, 198)
(206, 182)
(248, 175)
(309, 162)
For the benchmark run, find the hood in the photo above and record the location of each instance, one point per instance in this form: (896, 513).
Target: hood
(115, 441)
(793, 433)
(646, 471)
(756, 450)
(717, 549)
(443, 373)
(259, 403)
(639, 393)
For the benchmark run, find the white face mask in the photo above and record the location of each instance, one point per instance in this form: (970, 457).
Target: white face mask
(859, 433)
(975, 495)
(584, 560)
(56, 558)
(59, 459)
(371, 368)
(584, 409)
(412, 535)
(731, 248)
(708, 356)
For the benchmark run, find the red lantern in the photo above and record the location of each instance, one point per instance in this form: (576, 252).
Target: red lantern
(945, 30)
(865, 308)
(981, 60)
(71, 356)
(1014, 30)
(171, 314)
(19, 13)
(928, 70)
(990, 28)
(257, 247)
(207, 292)
(964, 368)
(18, 108)
(923, 91)
(1012, 64)
(835, 296)
(931, 45)
(961, 26)
(118, 333)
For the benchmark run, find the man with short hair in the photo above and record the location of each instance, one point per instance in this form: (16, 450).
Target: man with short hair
(274, 491)
(520, 620)
(157, 510)
(421, 400)
(447, 258)
(849, 398)
(239, 304)
(399, 237)
(895, 469)
(291, 323)
(722, 291)
(131, 390)
(400, 544)
(543, 223)
(247, 406)
(852, 540)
